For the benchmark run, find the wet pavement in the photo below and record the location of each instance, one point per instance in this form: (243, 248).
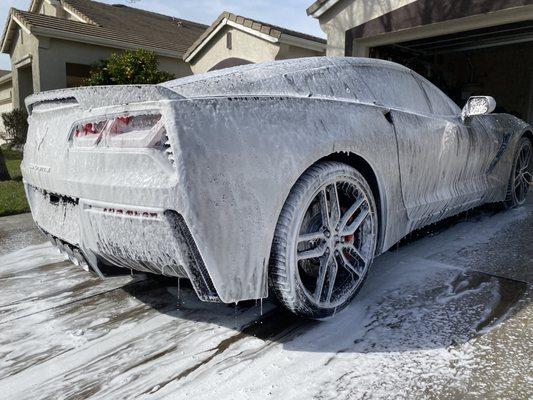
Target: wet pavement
(445, 315)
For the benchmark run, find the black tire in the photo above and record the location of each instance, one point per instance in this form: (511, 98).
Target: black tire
(346, 257)
(521, 174)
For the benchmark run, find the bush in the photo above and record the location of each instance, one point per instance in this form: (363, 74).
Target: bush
(131, 67)
(4, 172)
(16, 127)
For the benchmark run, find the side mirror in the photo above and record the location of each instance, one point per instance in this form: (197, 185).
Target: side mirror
(478, 105)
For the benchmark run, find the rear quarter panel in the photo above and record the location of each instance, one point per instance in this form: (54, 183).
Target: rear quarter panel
(238, 159)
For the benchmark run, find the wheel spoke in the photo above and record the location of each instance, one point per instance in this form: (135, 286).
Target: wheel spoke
(350, 267)
(331, 279)
(354, 226)
(355, 252)
(324, 209)
(315, 252)
(525, 185)
(350, 212)
(322, 272)
(311, 237)
(518, 181)
(335, 208)
(524, 158)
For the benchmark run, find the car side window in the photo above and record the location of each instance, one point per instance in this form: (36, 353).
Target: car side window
(396, 89)
(440, 103)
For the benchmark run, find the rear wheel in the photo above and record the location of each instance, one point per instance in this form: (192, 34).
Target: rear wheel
(325, 240)
(521, 174)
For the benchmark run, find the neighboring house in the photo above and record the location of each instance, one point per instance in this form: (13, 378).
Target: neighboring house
(6, 95)
(54, 43)
(464, 46)
(235, 40)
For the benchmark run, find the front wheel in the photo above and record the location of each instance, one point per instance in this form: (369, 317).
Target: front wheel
(521, 174)
(325, 240)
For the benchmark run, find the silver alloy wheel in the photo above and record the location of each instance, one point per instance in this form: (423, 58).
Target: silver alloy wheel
(522, 174)
(335, 244)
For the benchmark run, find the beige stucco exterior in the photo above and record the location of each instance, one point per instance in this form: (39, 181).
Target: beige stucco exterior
(246, 46)
(349, 13)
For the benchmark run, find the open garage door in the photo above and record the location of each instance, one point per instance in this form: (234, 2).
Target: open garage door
(495, 61)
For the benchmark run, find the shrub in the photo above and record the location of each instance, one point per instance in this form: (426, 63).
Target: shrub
(16, 127)
(4, 173)
(131, 67)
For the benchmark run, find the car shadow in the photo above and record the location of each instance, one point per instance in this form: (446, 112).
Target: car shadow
(407, 303)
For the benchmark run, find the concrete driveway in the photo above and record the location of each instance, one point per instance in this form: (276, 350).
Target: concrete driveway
(446, 315)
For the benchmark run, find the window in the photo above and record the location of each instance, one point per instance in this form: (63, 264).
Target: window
(395, 88)
(229, 41)
(76, 74)
(440, 103)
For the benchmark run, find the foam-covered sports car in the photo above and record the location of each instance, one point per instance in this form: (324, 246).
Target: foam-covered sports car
(290, 175)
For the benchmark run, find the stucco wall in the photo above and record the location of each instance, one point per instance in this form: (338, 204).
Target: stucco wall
(23, 52)
(244, 45)
(54, 54)
(350, 13)
(289, 51)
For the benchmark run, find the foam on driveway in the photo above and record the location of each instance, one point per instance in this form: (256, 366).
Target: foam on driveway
(445, 316)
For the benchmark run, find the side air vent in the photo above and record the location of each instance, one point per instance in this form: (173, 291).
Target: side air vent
(196, 269)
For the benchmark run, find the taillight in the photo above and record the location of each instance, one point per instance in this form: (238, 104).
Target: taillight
(124, 131)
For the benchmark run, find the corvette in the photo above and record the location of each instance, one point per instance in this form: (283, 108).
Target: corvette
(287, 177)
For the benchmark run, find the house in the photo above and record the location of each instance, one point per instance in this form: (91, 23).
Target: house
(466, 47)
(235, 40)
(54, 43)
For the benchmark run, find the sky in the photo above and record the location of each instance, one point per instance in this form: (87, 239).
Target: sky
(286, 13)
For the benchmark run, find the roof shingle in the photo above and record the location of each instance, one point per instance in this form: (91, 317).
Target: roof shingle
(120, 23)
(268, 29)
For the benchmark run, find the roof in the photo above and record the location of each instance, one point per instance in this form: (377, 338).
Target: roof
(283, 77)
(5, 76)
(267, 31)
(114, 25)
(319, 7)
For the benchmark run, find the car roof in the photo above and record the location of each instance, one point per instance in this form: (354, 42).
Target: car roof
(266, 78)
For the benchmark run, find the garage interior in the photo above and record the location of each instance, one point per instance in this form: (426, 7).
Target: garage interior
(495, 61)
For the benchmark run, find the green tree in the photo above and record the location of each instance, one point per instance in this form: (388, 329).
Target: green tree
(16, 127)
(130, 67)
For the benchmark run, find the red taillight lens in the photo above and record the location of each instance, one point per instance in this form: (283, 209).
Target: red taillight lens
(126, 131)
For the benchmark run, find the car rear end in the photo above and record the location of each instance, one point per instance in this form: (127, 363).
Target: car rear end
(100, 174)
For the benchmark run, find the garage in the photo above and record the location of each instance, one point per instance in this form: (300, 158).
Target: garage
(466, 47)
(495, 61)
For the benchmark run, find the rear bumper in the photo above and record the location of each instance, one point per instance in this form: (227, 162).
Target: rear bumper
(140, 238)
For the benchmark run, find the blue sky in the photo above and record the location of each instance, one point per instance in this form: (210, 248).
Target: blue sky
(287, 13)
